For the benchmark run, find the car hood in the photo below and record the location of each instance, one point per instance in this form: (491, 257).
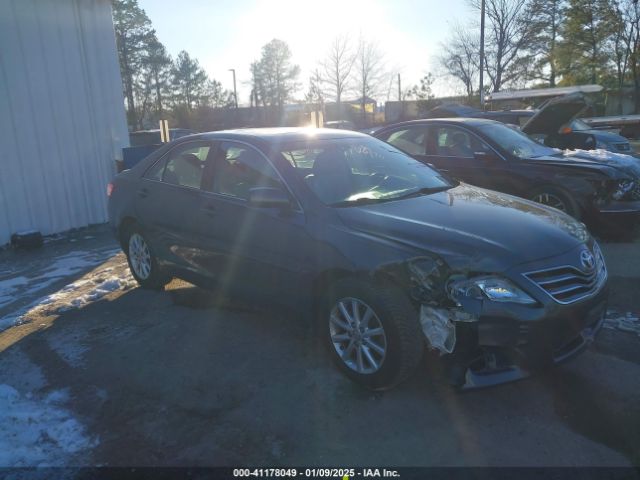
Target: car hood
(624, 164)
(554, 114)
(471, 228)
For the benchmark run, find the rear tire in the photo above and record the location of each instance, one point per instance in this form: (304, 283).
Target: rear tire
(557, 198)
(372, 332)
(143, 263)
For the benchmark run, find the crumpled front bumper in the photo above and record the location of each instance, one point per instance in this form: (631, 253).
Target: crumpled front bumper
(496, 350)
(509, 341)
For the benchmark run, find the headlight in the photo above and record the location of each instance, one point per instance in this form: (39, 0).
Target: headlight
(602, 145)
(578, 230)
(623, 187)
(496, 289)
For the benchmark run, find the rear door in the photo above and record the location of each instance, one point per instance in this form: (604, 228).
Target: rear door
(168, 201)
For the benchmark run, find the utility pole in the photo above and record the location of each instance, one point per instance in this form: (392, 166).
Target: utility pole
(482, 55)
(235, 92)
(400, 98)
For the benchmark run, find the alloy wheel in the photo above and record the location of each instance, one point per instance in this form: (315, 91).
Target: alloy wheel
(357, 335)
(139, 256)
(550, 200)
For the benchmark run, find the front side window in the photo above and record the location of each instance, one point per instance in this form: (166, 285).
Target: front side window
(410, 140)
(455, 142)
(239, 168)
(183, 165)
(344, 172)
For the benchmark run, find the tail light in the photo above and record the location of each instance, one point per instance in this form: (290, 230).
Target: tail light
(110, 188)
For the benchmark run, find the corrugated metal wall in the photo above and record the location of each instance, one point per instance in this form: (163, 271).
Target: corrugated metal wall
(62, 119)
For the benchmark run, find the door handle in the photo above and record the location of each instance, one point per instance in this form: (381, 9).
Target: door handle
(143, 193)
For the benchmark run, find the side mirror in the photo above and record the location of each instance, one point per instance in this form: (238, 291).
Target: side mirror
(269, 197)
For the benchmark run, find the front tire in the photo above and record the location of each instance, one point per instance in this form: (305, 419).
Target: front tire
(556, 198)
(372, 333)
(142, 261)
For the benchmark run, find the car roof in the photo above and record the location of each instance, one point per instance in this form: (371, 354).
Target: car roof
(510, 112)
(280, 134)
(453, 120)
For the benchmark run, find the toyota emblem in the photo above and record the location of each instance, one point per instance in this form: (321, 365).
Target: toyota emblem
(587, 259)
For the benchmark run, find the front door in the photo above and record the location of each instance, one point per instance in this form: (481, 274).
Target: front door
(263, 251)
(464, 156)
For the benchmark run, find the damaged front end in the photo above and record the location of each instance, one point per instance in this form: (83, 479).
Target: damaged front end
(490, 331)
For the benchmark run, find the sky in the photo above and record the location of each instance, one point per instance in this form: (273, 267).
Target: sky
(230, 34)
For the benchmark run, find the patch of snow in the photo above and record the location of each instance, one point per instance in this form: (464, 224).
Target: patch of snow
(625, 322)
(62, 267)
(66, 298)
(38, 432)
(628, 163)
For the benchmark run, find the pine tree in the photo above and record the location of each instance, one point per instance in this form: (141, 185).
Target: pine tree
(585, 52)
(133, 32)
(545, 17)
(189, 81)
(275, 75)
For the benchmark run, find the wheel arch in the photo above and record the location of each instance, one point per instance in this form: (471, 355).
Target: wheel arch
(331, 276)
(126, 223)
(580, 200)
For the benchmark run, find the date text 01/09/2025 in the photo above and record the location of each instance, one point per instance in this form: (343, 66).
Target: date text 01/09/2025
(342, 473)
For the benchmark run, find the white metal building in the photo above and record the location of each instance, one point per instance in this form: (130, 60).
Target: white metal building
(62, 118)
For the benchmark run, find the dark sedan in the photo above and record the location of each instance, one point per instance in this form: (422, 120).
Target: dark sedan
(387, 253)
(597, 187)
(554, 124)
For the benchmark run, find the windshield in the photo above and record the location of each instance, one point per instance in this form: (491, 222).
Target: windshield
(578, 125)
(515, 142)
(348, 171)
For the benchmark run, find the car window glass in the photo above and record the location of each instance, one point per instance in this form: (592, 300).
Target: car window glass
(523, 120)
(409, 140)
(456, 142)
(239, 168)
(185, 165)
(515, 142)
(156, 170)
(345, 171)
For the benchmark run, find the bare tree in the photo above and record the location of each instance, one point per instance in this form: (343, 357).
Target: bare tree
(370, 71)
(460, 57)
(316, 93)
(337, 67)
(507, 40)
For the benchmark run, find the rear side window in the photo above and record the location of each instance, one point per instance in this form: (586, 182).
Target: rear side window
(184, 166)
(410, 140)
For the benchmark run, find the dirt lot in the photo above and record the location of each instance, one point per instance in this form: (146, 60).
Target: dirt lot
(100, 372)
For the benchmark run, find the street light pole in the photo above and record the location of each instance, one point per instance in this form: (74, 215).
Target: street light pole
(482, 55)
(235, 92)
